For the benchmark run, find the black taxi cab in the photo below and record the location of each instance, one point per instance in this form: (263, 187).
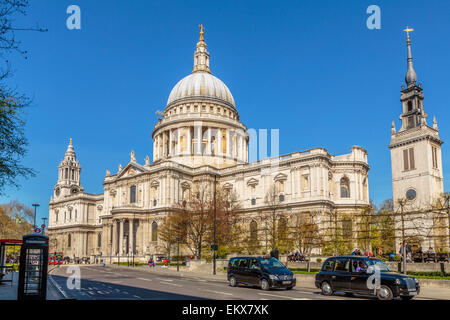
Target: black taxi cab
(364, 275)
(265, 272)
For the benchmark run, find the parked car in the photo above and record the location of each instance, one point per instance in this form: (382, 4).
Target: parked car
(355, 274)
(264, 272)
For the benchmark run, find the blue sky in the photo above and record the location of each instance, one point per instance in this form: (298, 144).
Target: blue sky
(309, 68)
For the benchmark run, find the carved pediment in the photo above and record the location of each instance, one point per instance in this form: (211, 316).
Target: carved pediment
(185, 185)
(252, 182)
(131, 169)
(280, 177)
(227, 186)
(154, 184)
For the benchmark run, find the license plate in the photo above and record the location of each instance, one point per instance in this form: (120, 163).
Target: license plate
(413, 293)
(286, 282)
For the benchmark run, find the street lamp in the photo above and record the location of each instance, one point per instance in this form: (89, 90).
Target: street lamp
(214, 232)
(35, 205)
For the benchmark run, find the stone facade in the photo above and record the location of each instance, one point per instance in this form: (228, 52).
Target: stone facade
(198, 136)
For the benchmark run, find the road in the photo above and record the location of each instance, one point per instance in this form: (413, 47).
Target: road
(105, 283)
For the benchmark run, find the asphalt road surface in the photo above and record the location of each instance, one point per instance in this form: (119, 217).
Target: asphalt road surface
(100, 283)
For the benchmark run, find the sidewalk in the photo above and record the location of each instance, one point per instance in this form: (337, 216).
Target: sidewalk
(8, 291)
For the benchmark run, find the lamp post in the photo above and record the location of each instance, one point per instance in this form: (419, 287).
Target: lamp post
(214, 232)
(132, 234)
(35, 205)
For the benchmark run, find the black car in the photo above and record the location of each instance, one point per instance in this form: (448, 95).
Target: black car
(264, 272)
(364, 275)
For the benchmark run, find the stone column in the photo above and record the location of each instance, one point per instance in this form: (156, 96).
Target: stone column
(114, 237)
(219, 142)
(189, 141)
(164, 142)
(227, 137)
(199, 139)
(131, 234)
(178, 141)
(170, 143)
(121, 237)
(208, 143)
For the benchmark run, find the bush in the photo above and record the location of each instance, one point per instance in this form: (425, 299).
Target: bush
(319, 260)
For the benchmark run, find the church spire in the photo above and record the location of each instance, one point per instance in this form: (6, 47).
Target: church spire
(411, 76)
(201, 55)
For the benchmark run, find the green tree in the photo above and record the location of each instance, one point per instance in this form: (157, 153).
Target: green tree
(13, 142)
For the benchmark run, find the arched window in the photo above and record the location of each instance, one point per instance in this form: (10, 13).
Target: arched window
(69, 240)
(56, 216)
(132, 194)
(66, 173)
(73, 174)
(410, 106)
(345, 188)
(253, 230)
(99, 240)
(154, 231)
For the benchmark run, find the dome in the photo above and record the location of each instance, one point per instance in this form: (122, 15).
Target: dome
(201, 84)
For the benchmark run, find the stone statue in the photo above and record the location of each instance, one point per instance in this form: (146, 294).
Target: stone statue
(147, 161)
(108, 173)
(132, 156)
(120, 167)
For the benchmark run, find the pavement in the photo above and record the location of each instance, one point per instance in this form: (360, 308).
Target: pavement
(143, 283)
(8, 290)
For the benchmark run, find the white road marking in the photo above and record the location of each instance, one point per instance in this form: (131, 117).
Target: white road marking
(137, 297)
(219, 292)
(173, 284)
(144, 279)
(284, 297)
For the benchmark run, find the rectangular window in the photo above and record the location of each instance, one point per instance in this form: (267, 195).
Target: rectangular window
(342, 265)
(412, 165)
(408, 159)
(328, 265)
(434, 156)
(405, 160)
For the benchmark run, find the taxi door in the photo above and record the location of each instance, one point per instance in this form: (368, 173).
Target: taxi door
(359, 276)
(340, 279)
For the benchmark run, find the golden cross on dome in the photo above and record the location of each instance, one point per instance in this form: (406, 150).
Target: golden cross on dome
(70, 141)
(408, 30)
(201, 31)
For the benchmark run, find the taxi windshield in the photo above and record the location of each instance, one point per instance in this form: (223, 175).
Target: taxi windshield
(271, 263)
(380, 264)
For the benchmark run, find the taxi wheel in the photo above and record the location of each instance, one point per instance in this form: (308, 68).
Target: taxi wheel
(265, 285)
(385, 293)
(233, 282)
(326, 289)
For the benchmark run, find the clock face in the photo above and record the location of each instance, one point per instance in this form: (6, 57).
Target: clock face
(57, 192)
(411, 194)
(74, 190)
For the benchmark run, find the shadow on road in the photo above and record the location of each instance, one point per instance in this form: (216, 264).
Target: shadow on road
(98, 290)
